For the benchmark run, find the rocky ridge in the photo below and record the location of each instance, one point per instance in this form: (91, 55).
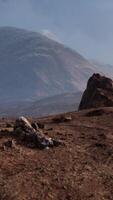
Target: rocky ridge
(99, 93)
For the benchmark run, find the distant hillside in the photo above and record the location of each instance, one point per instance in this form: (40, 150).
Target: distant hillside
(33, 66)
(54, 105)
(44, 107)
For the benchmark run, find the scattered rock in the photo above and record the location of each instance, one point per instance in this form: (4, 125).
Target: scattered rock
(32, 137)
(67, 118)
(100, 145)
(8, 125)
(62, 119)
(5, 132)
(9, 144)
(56, 143)
(99, 93)
(49, 129)
(97, 112)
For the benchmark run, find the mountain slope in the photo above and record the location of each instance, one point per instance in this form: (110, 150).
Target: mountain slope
(33, 66)
(43, 107)
(54, 105)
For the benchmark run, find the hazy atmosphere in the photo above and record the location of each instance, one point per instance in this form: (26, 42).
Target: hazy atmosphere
(86, 26)
(56, 100)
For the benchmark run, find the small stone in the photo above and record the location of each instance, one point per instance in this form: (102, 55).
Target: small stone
(8, 144)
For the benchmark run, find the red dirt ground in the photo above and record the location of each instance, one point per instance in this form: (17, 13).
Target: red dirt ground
(81, 169)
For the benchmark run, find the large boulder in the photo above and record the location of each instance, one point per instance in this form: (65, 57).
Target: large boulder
(99, 93)
(32, 137)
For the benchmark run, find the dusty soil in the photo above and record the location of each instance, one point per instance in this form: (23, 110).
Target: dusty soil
(81, 169)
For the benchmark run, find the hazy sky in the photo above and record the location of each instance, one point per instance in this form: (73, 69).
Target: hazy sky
(85, 25)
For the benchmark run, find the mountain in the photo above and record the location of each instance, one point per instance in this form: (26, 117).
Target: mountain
(43, 107)
(33, 66)
(54, 105)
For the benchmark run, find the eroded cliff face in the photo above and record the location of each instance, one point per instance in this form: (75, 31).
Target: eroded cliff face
(99, 93)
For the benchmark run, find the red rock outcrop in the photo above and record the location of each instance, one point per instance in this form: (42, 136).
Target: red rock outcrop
(99, 93)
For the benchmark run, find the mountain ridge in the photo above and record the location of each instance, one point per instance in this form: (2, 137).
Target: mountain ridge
(44, 107)
(33, 66)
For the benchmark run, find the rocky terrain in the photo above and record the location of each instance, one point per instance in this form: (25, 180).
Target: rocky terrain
(62, 157)
(99, 93)
(81, 169)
